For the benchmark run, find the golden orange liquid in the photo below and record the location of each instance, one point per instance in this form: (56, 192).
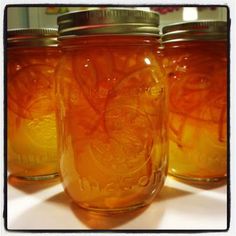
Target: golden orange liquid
(197, 77)
(32, 143)
(112, 122)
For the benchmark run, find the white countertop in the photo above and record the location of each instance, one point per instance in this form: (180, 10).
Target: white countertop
(178, 206)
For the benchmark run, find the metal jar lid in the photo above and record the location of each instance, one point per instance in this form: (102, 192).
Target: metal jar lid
(195, 31)
(42, 37)
(108, 21)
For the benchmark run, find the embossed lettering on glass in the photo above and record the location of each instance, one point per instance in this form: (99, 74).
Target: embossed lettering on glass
(111, 101)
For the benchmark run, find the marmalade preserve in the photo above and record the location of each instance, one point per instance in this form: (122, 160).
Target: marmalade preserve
(196, 66)
(32, 55)
(111, 101)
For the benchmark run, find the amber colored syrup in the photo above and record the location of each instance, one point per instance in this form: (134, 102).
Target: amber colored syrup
(197, 78)
(31, 112)
(112, 126)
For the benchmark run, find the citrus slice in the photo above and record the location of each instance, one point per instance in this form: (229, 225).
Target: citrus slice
(29, 86)
(95, 76)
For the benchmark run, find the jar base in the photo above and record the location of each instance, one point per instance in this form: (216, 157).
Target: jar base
(113, 211)
(199, 180)
(34, 178)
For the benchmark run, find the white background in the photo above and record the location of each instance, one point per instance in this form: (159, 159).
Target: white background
(177, 206)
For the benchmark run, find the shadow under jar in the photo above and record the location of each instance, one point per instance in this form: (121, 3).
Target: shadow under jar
(196, 66)
(111, 97)
(32, 55)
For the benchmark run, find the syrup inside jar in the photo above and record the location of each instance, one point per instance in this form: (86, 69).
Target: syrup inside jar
(32, 140)
(197, 79)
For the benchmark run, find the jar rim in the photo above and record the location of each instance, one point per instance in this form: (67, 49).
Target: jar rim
(32, 37)
(108, 21)
(202, 30)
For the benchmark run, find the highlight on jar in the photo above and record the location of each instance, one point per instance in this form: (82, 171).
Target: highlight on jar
(111, 108)
(32, 55)
(195, 60)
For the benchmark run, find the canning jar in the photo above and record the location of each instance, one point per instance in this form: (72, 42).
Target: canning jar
(32, 55)
(111, 100)
(196, 66)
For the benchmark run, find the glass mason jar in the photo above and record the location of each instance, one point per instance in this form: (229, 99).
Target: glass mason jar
(196, 65)
(32, 55)
(111, 97)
